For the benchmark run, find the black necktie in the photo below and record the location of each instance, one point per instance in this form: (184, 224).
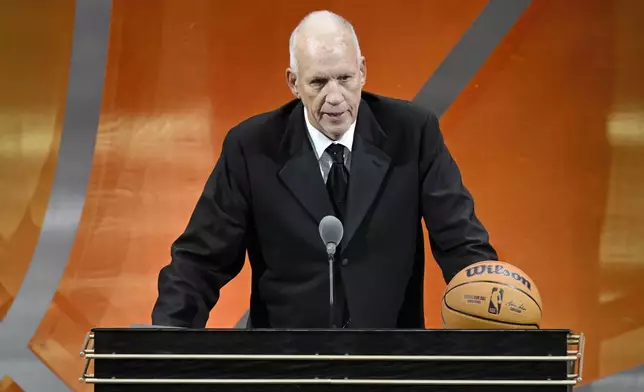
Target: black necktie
(337, 182)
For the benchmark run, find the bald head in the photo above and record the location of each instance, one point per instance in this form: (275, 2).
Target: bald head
(327, 71)
(321, 30)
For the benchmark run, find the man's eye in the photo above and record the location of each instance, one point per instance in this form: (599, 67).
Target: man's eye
(344, 78)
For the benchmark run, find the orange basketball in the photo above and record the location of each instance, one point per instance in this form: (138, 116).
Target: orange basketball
(491, 295)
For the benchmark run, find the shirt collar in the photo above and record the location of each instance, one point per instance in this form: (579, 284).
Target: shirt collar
(321, 141)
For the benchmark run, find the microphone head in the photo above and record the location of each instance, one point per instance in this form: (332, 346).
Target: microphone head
(331, 230)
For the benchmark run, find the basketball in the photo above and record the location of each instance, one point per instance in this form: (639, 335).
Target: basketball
(491, 295)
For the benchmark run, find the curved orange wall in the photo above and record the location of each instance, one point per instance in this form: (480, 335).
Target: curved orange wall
(35, 45)
(548, 137)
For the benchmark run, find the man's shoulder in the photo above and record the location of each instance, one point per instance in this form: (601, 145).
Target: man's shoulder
(398, 110)
(266, 124)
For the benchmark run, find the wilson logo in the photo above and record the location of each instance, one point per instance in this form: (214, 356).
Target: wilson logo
(491, 269)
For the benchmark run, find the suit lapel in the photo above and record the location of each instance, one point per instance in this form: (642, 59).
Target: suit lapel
(369, 166)
(301, 172)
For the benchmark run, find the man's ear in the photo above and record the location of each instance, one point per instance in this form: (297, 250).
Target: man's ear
(291, 80)
(363, 71)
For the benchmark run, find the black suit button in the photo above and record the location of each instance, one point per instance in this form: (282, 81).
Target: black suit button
(345, 262)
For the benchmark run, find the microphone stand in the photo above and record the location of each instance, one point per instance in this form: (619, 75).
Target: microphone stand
(330, 250)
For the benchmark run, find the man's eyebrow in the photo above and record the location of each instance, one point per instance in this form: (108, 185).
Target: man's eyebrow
(315, 77)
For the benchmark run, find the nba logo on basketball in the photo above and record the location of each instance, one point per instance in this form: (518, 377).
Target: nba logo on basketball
(496, 298)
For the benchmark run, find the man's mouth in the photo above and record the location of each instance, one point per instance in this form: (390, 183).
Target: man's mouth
(333, 114)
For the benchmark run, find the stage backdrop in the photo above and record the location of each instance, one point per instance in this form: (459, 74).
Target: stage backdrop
(549, 135)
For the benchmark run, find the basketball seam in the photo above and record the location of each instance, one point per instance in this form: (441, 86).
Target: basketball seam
(484, 319)
(499, 283)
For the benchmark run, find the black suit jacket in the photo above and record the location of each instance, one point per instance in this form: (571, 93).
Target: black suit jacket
(266, 196)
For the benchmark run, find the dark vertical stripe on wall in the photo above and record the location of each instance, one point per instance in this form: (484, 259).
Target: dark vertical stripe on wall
(82, 111)
(469, 54)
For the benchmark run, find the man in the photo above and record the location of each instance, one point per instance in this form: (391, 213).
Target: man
(378, 164)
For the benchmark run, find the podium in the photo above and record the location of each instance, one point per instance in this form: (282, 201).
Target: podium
(254, 360)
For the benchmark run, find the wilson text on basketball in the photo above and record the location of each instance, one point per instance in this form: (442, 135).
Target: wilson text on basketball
(497, 270)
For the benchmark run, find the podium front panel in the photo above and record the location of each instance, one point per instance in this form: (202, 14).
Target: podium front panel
(331, 360)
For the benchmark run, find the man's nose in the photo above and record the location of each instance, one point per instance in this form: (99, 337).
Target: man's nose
(334, 95)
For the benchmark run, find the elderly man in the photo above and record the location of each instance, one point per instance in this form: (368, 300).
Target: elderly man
(378, 164)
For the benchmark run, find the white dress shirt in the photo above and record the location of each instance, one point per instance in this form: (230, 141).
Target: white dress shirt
(320, 142)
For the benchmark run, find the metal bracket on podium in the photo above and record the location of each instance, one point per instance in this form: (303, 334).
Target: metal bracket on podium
(574, 358)
(87, 353)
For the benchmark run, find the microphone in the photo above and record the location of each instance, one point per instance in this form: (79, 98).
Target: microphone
(331, 232)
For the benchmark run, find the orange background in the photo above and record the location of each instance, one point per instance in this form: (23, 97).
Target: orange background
(8, 385)
(35, 45)
(549, 136)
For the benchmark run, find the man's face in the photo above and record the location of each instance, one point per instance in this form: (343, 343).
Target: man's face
(329, 82)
